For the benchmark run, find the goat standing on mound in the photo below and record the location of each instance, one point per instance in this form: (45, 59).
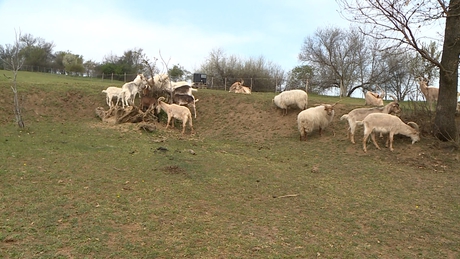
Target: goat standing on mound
(431, 93)
(290, 98)
(318, 117)
(359, 114)
(186, 100)
(175, 111)
(387, 123)
(132, 88)
(112, 93)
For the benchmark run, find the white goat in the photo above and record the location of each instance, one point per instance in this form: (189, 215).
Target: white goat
(175, 111)
(290, 98)
(359, 114)
(374, 99)
(113, 92)
(159, 82)
(387, 123)
(239, 88)
(318, 117)
(430, 92)
(133, 88)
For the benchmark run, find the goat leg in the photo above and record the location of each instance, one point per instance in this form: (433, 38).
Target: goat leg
(390, 138)
(365, 142)
(374, 141)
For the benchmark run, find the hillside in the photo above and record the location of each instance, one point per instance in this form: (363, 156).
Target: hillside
(243, 186)
(219, 112)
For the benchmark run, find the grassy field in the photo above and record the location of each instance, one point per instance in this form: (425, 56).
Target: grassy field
(243, 186)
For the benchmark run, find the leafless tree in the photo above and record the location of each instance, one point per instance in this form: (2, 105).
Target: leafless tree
(258, 73)
(343, 59)
(403, 22)
(13, 60)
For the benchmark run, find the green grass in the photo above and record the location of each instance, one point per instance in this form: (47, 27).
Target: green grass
(73, 188)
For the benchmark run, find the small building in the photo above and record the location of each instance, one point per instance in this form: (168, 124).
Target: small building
(199, 78)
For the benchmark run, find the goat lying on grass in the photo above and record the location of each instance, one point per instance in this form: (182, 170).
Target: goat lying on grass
(239, 88)
(373, 99)
(175, 111)
(387, 123)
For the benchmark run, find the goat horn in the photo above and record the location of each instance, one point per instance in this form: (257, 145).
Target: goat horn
(337, 102)
(414, 125)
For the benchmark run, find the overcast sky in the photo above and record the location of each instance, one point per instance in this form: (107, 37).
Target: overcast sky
(184, 31)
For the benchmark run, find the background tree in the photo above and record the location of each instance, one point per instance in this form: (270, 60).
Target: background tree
(37, 53)
(13, 59)
(130, 64)
(73, 63)
(258, 73)
(178, 73)
(402, 23)
(89, 67)
(342, 59)
(400, 81)
(298, 78)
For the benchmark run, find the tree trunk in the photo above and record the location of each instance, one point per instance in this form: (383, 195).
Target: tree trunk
(17, 106)
(445, 127)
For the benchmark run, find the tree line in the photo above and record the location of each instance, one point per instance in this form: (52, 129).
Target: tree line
(332, 58)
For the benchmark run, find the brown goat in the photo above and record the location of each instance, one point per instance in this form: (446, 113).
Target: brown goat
(431, 93)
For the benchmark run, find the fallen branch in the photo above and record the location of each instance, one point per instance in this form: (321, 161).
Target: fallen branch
(286, 196)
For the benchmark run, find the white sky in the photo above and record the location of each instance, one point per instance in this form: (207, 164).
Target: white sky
(184, 31)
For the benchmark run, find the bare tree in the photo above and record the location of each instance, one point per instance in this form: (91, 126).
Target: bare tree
(260, 74)
(13, 60)
(402, 22)
(343, 59)
(400, 79)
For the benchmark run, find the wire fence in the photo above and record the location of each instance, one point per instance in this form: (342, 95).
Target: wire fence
(254, 83)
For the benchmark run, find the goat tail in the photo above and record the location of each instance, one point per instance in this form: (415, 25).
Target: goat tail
(359, 123)
(344, 117)
(104, 91)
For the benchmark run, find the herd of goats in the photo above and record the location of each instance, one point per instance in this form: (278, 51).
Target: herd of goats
(378, 118)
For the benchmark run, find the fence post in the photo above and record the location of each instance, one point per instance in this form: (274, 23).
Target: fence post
(125, 77)
(112, 77)
(276, 84)
(251, 83)
(225, 84)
